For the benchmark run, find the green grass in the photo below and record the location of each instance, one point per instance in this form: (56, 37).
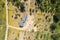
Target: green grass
(2, 20)
(57, 30)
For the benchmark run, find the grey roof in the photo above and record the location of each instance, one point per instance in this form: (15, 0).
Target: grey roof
(23, 20)
(24, 17)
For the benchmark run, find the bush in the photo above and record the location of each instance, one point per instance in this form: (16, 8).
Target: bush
(55, 19)
(52, 27)
(55, 36)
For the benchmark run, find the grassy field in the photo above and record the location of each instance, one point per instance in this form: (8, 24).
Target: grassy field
(12, 12)
(13, 34)
(2, 20)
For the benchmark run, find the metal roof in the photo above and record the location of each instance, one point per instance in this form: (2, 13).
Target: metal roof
(24, 18)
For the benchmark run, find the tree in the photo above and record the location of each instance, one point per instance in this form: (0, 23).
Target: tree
(53, 1)
(3, 4)
(55, 36)
(52, 27)
(55, 19)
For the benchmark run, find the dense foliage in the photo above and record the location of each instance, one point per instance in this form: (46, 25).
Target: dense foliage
(18, 4)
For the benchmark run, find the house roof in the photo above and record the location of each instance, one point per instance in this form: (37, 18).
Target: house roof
(23, 20)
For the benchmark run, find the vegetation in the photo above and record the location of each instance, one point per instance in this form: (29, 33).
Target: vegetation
(55, 36)
(2, 20)
(56, 33)
(52, 6)
(52, 27)
(53, 1)
(42, 36)
(46, 6)
(55, 19)
(18, 4)
(38, 1)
